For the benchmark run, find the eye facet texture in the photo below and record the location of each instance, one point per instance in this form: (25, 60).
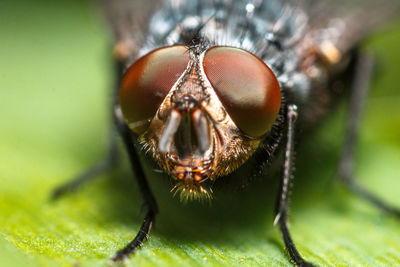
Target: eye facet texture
(246, 87)
(147, 82)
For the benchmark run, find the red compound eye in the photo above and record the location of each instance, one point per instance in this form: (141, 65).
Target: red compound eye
(147, 82)
(246, 87)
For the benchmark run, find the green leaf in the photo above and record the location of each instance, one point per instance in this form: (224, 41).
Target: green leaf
(55, 74)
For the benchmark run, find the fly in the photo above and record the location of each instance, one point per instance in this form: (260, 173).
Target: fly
(207, 86)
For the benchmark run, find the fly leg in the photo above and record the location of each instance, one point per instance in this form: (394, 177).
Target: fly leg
(149, 201)
(346, 165)
(109, 161)
(111, 158)
(104, 165)
(282, 204)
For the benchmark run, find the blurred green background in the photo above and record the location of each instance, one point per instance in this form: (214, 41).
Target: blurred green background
(54, 77)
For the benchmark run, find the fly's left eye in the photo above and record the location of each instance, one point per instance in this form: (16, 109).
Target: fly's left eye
(147, 82)
(246, 87)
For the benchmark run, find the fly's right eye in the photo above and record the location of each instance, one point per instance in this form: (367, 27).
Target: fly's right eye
(246, 86)
(147, 82)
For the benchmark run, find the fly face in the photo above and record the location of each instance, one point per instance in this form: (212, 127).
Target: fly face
(199, 113)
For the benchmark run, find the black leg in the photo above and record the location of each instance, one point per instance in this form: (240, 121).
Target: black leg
(106, 164)
(148, 198)
(283, 197)
(346, 165)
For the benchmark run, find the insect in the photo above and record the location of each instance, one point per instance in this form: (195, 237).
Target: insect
(206, 87)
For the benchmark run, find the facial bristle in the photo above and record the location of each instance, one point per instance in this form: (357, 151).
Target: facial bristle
(192, 192)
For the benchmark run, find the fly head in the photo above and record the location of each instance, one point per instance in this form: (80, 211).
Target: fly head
(199, 115)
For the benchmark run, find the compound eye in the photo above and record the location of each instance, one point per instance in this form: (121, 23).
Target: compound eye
(246, 87)
(147, 82)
